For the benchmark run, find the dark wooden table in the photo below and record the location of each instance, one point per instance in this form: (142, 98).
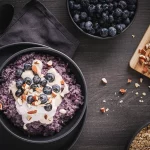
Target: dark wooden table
(109, 59)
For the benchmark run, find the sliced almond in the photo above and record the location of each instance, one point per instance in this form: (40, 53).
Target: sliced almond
(137, 85)
(35, 98)
(45, 116)
(129, 81)
(49, 63)
(141, 61)
(30, 91)
(32, 112)
(29, 117)
(1, 106)
(103, 110)
(122, 91)
(36, 62)
(36, 103)
(145, 69)
(39, 90)
(141, 80)
(104, 80)
(23, 97)
(34, 69)
(142, 57)
(19, 101)
(62, 111)
(26, 91)
(62, 82)
(54, 94)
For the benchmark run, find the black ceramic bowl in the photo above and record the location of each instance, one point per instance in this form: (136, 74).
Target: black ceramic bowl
(130, 142)
(70, 126)
(98, 37)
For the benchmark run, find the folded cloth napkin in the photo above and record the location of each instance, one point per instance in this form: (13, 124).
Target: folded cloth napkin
(35, 23)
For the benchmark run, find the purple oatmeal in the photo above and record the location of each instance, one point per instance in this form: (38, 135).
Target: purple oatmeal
(39, 95)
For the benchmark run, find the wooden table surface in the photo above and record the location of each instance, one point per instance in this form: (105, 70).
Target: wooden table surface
(109, 59)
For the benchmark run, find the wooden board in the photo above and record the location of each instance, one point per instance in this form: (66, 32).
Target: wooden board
(134, 62)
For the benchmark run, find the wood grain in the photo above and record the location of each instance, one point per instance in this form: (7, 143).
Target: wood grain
(109, 59)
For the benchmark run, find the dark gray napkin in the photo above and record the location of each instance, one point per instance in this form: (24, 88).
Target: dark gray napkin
(35, 23)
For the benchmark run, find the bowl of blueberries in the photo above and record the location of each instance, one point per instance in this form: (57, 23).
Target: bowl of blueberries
(102, 19)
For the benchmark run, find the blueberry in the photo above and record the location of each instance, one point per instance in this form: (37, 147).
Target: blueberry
(71, 4)
(77, 6)
(119, 28)
(56, 88)
(43, 82)
(82, 25)
(85, 3)
(122, 4)
(43, 98)
(127, 21)
(105, 7)
(99, 8)
(76, 18)
(102, 1)
(34, 86)
(109, 1)
(131, 7)
(115, 4)
(125, 14)
(94, 1)
(131, 2)
(19, 72)
(36, 79)
(111, 19)
(50, 77)
(19, 83)
(83, 15)
(27, 66)
(19, 92)
(104, 32)
(110, 7)
(131, 15)
(30, 99)
(118, 12)
(92, 31)
(112, 31)
(91, 8)
(47, 90)
(28, 80)
(88, 25)
(119, 20)
(48, 107)
(76, 12)
(96, 26)
(105, 17)
(123, 26)
(89, 19)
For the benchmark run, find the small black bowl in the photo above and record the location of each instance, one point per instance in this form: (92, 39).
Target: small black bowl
(98, 37)
(70, 126)
(130, 142)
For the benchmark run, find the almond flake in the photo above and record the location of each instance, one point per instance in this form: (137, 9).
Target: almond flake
(35, 98)
(26, 91)
(137, 85)
(34, 69)
(103, 110)
(133, 35)
(129, 81)
(104, 80)
(145, 69)
(62, 82)
(49, 63)
(36, 62)
(54, 94)
(62, 111)
(29, 117)
(19, 101)
(144, 94)
(121, 101)
(45, 116)
(104, 101)
(107, 109)
(136, 93)
(23, 97)
(29, 106)
(31, 91)
(141, 80)
(122, 91)
(32, 112)
(1, 106)
(39, 90)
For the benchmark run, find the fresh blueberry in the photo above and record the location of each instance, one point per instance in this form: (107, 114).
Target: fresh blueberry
(48, 107)
(85, 3)
(125, 14)
(110, 7)
(83, 15)
(105, 17)
(82, 25)
(102, 1)
(105, 7)
(119, 20)
(43, 98)
(131, 2)
(91, 8)
(131, 14)
(112, 31)
(122, 4)
(36, 79)
(127, 21)
(47, 90)
(34, 86)
(115, 4)
(30, 99)
(131, 7)
(76, 18)
(77, 6)
(19, 83)
(118, 12)
(71, 4)
(94, 1)
(89, 19)
(50, 77)
(27, 66)
(19, 72)
(76, 12)
(92, 31)
(104, 32)
(88, 25)
(56, 88)
(99, 8)
(109, 1)
(111, 19)
(28, 80)
(96, 26)
(123, 26)
(43, 82)
(19, 92)
(119, 28)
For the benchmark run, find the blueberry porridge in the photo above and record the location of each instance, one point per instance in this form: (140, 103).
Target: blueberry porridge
(39, 94)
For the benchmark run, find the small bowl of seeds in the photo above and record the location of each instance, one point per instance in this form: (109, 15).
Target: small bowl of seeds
(141, 139)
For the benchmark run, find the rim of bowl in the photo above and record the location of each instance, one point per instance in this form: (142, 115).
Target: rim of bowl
(135, 134)
(36, 49)
(98, 37)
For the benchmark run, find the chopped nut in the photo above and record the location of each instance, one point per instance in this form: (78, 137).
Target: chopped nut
(35, 98)
(107, 109)
(19, 101)
(31, 91)
(34, 69)
(1, 106)
(62, 82)
(129, 81)
(147, 46)
(36, 62)
(136, 93)
(137, 85)
(141, 61)
(49, 63)
(133, 36)
(32, 112)
(104, 101)
(122, 91)
(144, 94)
(54, 94)
(39, 90)
(121, 101)
(36, 103)
(23, 97)
(29, 117)
(104, 80)
(142, 57)
(103, 110)
(145, 69)
(141, 80)
(29, 105)
(45, 116)
(63, 111)
(142, 51)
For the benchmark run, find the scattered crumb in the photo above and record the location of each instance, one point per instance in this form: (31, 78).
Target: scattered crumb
(107, 109)
(129, 81)
(121, 101)
(122, 91)
(141, 80)
(133, 35)
(104, 80)
(107, 114)
(141, 97)
(144, 94)
(141, 101)
(137, 85)
(118, 96)
(132, 91)
(149, 87)
(103, 110)
(104, 101)
(115, 93)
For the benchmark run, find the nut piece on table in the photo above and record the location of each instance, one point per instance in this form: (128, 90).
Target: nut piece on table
(103, 110)
(122, 91)
(145, 69)
(104, 80)
(129, 81)
(137, 85)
